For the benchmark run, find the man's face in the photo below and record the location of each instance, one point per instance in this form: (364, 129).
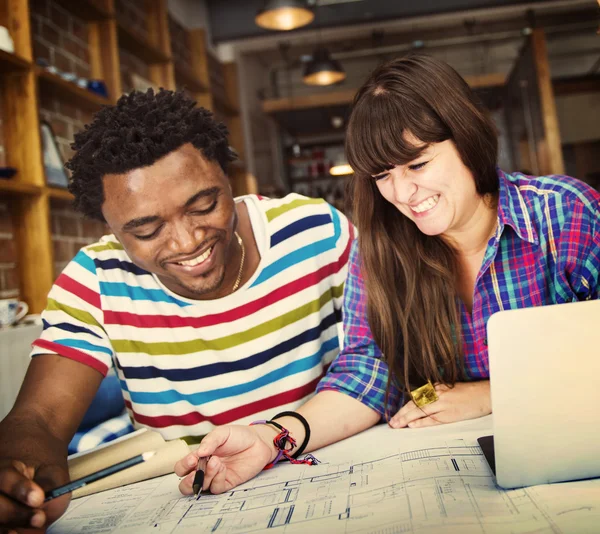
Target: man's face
(175, 219)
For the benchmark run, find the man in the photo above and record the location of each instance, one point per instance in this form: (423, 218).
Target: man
(212, 310)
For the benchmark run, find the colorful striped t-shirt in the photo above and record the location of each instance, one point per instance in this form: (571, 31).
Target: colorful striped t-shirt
(187, 365)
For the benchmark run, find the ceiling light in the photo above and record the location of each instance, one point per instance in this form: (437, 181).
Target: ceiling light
(341, 170)
(284, 15)
(323, 69)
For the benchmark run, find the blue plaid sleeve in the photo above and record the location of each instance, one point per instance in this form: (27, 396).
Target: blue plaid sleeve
(103, 433)
(359, 369)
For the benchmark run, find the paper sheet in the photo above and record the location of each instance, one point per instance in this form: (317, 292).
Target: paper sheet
(383, 481)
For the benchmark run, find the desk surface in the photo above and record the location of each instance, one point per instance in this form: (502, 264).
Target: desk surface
(381, 481)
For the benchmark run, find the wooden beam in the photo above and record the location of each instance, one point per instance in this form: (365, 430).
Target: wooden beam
(162, 74)
(340, 98)
(553, 146)
(31, 222)
(104, 53)
(319, 100)
(199, 57)
(16, 19)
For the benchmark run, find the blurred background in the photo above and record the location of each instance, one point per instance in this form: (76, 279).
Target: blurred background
(281, 74)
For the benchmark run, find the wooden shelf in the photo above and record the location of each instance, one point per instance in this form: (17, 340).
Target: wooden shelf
(185, 77)
(68, 90)
(16, 187)
(12, 62)
(58, 193)
(86, 10)
(317, 180)
(139, 46)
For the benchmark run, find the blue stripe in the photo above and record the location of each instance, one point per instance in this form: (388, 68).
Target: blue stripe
(115, 263)
(220, 368)
(120, 289)
(306, 252)
(69, 327)
(197, 399)
(85, 261)
(299, 226)
(83, 345)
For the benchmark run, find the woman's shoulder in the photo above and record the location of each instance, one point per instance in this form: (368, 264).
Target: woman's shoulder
(554, 196)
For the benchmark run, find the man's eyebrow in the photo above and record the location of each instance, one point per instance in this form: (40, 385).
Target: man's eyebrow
(201, 194)
(141, 221)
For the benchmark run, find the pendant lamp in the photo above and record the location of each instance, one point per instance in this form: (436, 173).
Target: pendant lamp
(322, 69)
(284, 15)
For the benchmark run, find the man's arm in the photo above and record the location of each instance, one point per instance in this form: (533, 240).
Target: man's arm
(35, 435)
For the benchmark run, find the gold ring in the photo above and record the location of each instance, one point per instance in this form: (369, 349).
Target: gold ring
(424, 395)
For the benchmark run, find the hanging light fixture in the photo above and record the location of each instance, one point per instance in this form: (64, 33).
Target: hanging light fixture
(322, 69)
(341, 169)
(284, 15)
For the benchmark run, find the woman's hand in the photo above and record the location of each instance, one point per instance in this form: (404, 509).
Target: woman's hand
(237, 454)
(466, 400)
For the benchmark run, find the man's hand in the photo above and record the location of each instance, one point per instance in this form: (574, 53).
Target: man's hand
(237, 453)
(466, 400)
(22, 491)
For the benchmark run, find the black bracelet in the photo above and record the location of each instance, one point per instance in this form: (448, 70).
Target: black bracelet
(306, 430)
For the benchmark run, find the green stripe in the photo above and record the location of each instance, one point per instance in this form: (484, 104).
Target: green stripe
(276, 212)
(111, 245)
(76, 313)
(227, 342)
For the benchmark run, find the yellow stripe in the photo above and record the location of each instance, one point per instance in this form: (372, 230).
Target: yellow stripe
(545, 193)
(525, 214)
(111, 245)
(496, 285)
(550, 232)
(276, 212)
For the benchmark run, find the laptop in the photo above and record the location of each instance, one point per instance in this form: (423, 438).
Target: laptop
(544, 374)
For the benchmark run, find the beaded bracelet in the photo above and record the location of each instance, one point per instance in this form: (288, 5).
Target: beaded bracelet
(280, 441)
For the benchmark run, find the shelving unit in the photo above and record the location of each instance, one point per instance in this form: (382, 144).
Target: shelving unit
(11, 62)
(78, 96)
(23, 81)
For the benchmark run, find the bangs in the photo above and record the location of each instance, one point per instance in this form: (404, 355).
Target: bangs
(381, 120)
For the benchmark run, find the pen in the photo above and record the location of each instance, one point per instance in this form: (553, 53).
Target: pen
(83, 481)
(199, 476)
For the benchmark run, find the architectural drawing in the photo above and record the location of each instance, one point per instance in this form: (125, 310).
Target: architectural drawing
(440, 486)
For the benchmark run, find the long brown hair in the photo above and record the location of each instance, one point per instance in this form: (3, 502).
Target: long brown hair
(410, 278)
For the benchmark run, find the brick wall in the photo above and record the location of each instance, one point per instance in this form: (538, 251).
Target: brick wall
(180, 45)
(70, 232)
(132, 14)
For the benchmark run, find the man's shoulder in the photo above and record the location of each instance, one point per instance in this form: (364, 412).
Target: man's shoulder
(292, 207)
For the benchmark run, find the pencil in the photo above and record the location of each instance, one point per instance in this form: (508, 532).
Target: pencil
(83, 481)
(199, 476)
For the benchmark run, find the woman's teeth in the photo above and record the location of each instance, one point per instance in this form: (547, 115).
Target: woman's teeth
(426, 204)
(197, 260)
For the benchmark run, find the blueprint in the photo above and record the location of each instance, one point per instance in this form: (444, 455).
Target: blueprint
(383, 481)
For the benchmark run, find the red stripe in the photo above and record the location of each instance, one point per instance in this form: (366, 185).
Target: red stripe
(79, 290)
(162, 321)
(224, 418)
(72, 354)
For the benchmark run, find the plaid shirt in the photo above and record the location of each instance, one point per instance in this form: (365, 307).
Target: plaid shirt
(546, 250)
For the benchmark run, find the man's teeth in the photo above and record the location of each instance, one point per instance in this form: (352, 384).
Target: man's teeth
(426, 204)
(197, 260)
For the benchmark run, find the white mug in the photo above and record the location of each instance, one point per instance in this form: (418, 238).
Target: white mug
(6, 42)
(11, 311)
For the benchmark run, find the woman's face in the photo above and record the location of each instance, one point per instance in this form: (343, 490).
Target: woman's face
(435, 191)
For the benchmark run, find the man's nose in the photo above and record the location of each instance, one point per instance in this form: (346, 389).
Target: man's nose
(185, 238)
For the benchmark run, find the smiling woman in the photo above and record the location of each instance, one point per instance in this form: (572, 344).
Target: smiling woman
(446, 239)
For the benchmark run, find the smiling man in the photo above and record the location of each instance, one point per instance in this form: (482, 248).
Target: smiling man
(211, 309)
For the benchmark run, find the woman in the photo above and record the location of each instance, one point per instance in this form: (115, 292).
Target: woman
(445, 240)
